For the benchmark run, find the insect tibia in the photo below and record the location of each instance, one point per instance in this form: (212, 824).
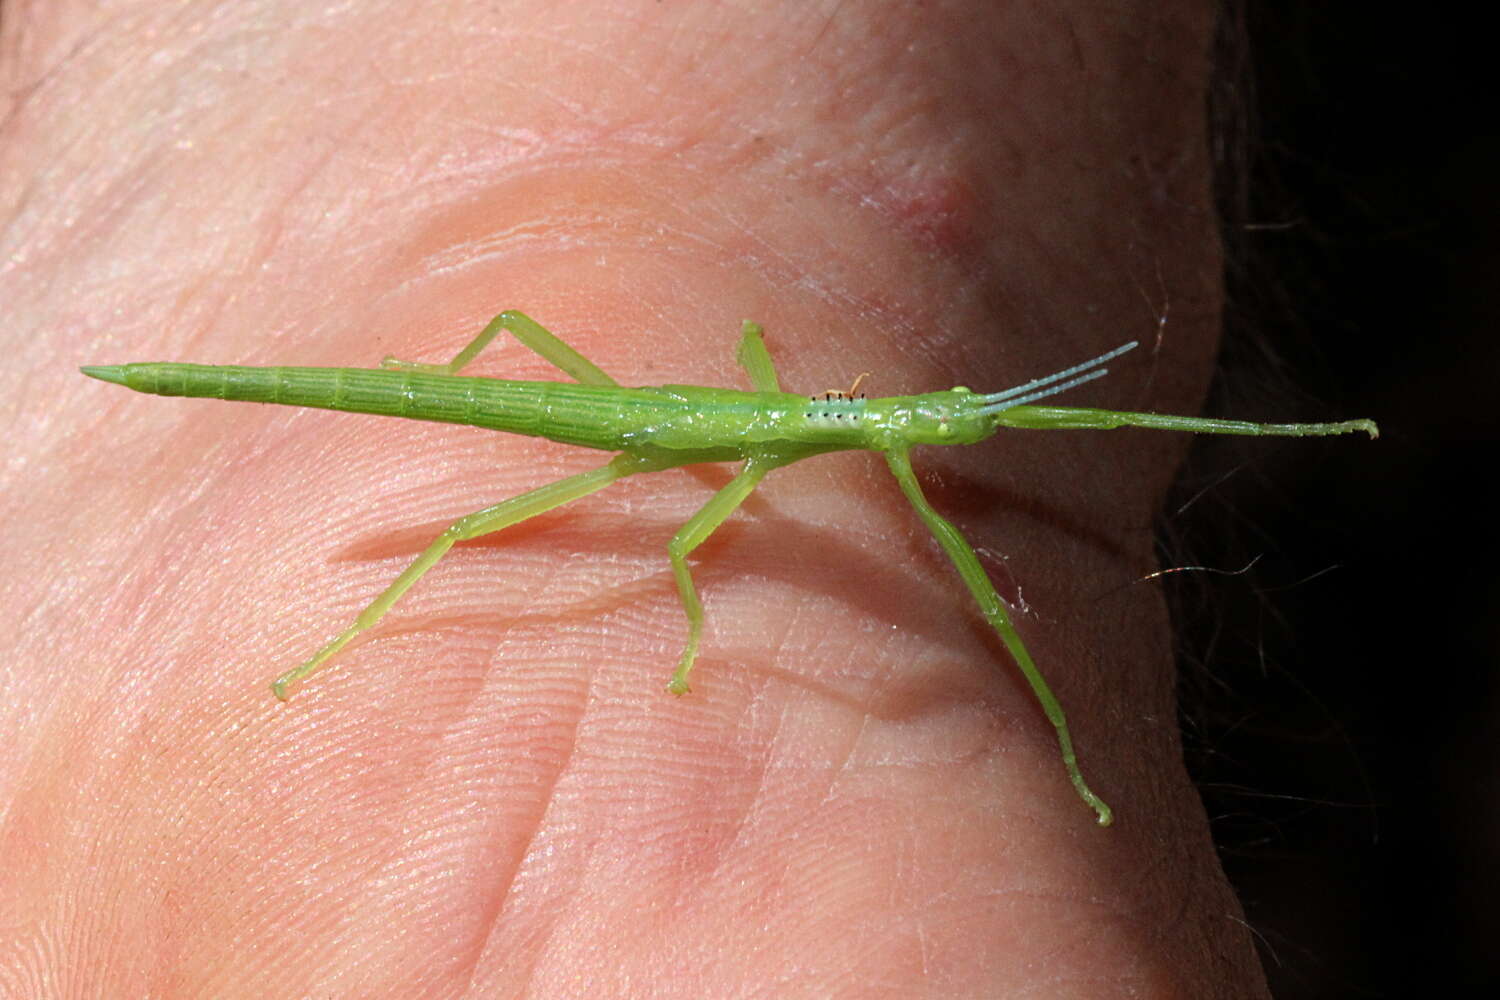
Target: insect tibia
(1083, 418)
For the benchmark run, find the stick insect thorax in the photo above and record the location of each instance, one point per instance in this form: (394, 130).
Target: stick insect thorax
(660, 427)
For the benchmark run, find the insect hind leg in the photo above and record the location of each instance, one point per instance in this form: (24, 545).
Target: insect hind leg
(491, 519)
(755, 359)
(531, 334)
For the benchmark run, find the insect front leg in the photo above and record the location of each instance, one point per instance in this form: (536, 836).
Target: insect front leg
(1086, 418)
(530, 333)
(689, 537)
(483, 522)
(967, 563)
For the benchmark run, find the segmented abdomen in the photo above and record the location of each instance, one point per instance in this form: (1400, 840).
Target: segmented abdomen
(606, 417)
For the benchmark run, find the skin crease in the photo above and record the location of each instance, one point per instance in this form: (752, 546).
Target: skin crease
(493, 795)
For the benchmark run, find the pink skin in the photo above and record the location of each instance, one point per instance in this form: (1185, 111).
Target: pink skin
(493, 794)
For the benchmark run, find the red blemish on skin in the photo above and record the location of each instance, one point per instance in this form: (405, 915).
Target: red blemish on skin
(941, 213)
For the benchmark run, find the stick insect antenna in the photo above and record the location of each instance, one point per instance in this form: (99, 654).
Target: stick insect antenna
(1051, 390)
(1031, 390)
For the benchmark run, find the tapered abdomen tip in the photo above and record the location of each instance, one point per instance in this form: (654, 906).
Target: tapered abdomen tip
(105, 373)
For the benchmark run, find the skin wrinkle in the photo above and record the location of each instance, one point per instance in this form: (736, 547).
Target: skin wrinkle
(502, 894)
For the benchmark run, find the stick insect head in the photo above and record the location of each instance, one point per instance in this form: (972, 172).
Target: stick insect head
(953, 417)
(960, 416)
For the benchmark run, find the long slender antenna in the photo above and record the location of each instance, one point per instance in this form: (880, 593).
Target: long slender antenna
(1051, 390)
(1030, 389)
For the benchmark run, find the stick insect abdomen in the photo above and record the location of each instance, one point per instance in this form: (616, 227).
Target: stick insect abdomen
(716, 424)
(355, 390)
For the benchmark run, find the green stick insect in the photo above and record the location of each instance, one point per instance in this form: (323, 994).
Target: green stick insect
(663, 427)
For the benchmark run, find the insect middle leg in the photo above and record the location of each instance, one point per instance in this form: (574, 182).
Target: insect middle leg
(693, 534)
(483, 522)
(993, 608)
(530, 333)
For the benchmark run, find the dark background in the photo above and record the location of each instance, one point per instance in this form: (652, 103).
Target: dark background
(1341, 696)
